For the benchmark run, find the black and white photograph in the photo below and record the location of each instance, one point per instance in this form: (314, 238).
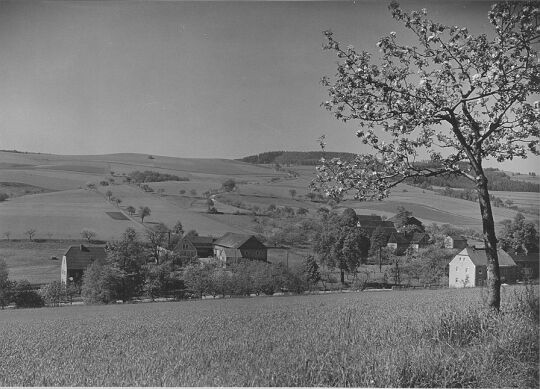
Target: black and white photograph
(270, 193)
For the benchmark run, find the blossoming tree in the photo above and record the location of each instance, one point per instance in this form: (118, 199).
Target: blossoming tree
(454, 99)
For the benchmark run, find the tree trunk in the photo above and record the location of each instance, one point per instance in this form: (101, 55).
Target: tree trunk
(493, 281)
(342, 276)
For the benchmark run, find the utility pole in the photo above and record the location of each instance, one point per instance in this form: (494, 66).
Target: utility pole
(380, 263)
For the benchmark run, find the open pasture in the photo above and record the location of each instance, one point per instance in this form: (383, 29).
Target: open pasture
(168, 212)
(48, 179)
(32, 260)
(61, 215)
(125, 163)
(99, 169)
(368, 339)
(521, 199)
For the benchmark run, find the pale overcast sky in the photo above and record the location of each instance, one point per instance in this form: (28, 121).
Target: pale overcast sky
(186, 79)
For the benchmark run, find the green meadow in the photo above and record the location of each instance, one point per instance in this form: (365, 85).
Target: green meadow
(420, 338)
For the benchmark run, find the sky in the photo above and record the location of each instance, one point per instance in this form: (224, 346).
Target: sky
(186, 79)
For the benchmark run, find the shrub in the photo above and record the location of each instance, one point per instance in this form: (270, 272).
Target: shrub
(153, 176)
(99, 283)
(24, 296)
(3, 196)
(53, 293)
(229, 185)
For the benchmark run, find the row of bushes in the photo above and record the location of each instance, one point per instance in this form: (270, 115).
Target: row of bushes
(153, 176)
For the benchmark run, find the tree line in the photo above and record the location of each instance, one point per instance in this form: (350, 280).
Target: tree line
(153, 176)
(497, 181)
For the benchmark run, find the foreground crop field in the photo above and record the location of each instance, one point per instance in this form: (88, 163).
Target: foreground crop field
(369, 339)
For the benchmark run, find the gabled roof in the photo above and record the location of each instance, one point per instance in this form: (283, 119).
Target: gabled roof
(362, 218)
(398, 238)
(410, 220)
(79, 257)
(479, 258)
(201, 240)
(377, 223)
(526, 258)
(234, 240)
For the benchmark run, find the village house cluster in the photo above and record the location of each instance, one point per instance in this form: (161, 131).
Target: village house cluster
(228, 249)
(467, 268)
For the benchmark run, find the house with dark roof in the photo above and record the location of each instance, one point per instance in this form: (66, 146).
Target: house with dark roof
(528, 264)
(455, 242)
(192, 247)
(77, 259)
(370, 223)
(411, 221)
(468, 268)
(419, 240)
(232, 247)
(398, 243)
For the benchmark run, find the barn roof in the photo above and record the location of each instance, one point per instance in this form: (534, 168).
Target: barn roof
(479, 258)
(202, 240)
(362, 218)
(526, 258)
(79, 257)
(234, 240)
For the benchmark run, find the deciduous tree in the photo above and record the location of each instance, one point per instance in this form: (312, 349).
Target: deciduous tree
(157, 238)
(127, 256)
(456, 98)
(341, 243)
(131, 210)
(519, 235)
(5, 284)
(87, 234)
(143, 212)
(30, 233)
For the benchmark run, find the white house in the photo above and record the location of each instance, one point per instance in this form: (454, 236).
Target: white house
(468, 268)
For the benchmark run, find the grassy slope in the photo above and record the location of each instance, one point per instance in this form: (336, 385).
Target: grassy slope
(378, 339)
(64, 213)
(32, 260)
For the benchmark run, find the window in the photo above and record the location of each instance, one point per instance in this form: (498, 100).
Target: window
(457, 268)
(466, 270)
(457, 280)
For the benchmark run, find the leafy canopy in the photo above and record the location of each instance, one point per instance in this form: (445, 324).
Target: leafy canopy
(454, 97)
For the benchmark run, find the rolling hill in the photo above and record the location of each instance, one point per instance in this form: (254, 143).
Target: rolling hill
(66, 204)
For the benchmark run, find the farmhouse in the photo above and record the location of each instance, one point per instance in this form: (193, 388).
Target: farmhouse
(528, 264)
(455, 242)
(398, 243)
(419, 240)
(371, 222)
(232, 247)
(468, 268)
(411, 221)
(191, 247)
(76, 260)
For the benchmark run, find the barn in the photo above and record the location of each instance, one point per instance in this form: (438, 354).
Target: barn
(455, 242)
(76, 260)
(419, 240)
(191, 247)
(398, 243)
(232, 247)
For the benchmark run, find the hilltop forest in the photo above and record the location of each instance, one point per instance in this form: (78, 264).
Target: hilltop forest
(498, 180)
